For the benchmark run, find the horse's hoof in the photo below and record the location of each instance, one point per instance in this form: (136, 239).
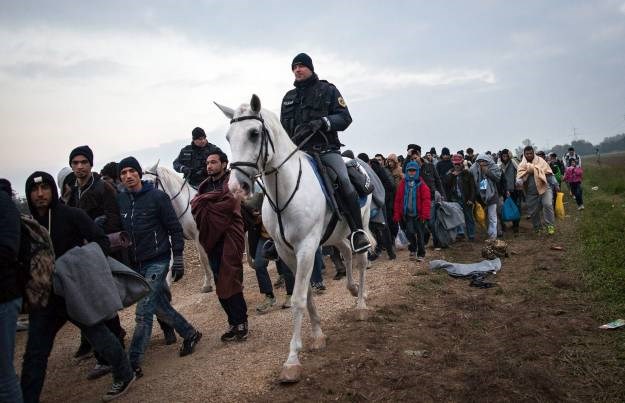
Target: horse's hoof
(319, 343)
(207, 288)
(291, 373)
(353, 290)
(362, 314)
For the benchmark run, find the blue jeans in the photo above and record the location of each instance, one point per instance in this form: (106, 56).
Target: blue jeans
(43, 326)
(155, 302)
(260, 267)
(9, 385)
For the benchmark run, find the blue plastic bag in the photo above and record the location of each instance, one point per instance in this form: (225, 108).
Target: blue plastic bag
(510, 211)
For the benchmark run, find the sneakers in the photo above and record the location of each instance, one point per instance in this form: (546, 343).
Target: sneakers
(287, 302)
(84, 351)
(235, 333)
(118, 389)
(420, 258)
(188, 344)
(551, 229)
(98, 371)
(412, 256)
(266, 305)
(391, 255)
(318, 288)
(359, 241)
(581, 207)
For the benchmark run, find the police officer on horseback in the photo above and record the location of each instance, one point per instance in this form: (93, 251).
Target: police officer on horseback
(192, 159)
(312, 113)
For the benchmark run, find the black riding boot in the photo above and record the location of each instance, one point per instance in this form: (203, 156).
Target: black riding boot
(359, 239)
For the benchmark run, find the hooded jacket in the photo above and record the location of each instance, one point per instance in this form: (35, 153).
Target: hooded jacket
(68, 226)
(423, 199)
(486, 183)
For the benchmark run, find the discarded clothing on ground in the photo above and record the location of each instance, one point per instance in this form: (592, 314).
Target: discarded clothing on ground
(467, 269)
(448, 218)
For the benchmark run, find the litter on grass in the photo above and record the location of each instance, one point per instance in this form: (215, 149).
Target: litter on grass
(613, 325)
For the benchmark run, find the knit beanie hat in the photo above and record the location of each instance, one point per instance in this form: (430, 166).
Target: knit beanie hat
(198, 133)
(303, 59)
(36, 178)
(5, 186)
(84, 151)
(364, 157)
(445, 151)
(130, 162)
(457, 159)
(413, 165)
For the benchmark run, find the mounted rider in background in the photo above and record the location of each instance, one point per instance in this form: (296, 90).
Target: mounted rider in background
(316, 109)
(192, 158)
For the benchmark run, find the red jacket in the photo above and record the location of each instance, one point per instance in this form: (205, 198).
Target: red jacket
(423, 201)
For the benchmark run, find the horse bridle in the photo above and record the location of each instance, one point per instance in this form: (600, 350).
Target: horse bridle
(263, 156)
(186, 180)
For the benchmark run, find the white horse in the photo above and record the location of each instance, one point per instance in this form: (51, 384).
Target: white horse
(181, 195)
(295, 213)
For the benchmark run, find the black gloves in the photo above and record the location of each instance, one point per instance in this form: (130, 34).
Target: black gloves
(177, 268)
(186, 171)
(318, 124)
(200, 172)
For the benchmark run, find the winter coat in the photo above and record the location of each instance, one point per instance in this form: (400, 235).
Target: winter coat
(192, 162)
(424, 201)
(466, 185)
(488, 194)
(149, 217)
(508, 172)
(573, 174)
(97, 198)
(10, 284)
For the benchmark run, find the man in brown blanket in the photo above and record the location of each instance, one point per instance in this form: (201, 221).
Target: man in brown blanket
(217, 213)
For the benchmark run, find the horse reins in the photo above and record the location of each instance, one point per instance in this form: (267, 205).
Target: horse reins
(263, 154)
(186, 180)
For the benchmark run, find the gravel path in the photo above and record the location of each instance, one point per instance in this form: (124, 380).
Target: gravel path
(216, 371)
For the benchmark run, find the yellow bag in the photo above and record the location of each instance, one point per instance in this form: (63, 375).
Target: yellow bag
(480, 215)
(559, 210)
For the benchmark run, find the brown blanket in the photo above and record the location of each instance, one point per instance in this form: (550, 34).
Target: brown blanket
(218, 216)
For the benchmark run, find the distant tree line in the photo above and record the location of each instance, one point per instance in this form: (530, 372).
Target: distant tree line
(583, 147)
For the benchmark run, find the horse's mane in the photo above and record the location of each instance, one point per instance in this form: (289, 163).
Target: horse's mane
(169, 178)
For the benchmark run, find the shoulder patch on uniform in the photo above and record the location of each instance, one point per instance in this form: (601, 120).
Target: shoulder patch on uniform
(342, 102)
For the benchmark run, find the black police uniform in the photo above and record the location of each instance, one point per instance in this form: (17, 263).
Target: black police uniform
(320, 102)
(192, 162)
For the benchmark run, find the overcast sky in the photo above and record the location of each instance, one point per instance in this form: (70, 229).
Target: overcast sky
(123, 76)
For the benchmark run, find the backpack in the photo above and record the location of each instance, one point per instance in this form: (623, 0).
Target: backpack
(37, 262)
(359, 178)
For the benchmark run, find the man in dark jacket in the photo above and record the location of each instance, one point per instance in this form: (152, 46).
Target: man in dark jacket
(149, 218)
(444, 165)
(98, 199)
(11, 291)
(316, 108)
(68, 227)
(460, 189)
(192, 158)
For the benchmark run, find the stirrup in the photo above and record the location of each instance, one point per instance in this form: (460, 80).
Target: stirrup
(363, 248)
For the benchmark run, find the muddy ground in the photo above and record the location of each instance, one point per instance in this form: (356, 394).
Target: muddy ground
(429, 337)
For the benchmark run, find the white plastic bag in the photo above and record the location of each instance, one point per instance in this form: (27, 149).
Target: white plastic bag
(401, 242)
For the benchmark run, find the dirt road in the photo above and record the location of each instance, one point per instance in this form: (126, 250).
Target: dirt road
(429, 338)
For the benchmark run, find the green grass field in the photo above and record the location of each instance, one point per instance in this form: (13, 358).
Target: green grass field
(602, 234)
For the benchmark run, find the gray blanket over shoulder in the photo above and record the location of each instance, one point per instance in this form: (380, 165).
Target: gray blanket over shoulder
(83, 276)
(463, 270)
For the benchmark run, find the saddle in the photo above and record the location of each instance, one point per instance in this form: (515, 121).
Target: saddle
(358, 177)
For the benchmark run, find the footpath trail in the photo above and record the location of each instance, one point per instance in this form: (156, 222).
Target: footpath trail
(429, 338)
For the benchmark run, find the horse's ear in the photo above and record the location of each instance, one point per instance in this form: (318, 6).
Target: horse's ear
(157, 162)
(153, 168)
(255, 103)
(229, 112)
